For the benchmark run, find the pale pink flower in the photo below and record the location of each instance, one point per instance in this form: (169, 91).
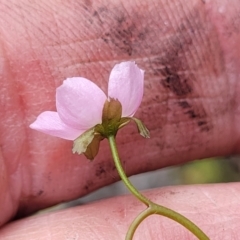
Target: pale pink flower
(80, 102)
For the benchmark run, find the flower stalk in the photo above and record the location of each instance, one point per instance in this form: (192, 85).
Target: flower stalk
(152, 208)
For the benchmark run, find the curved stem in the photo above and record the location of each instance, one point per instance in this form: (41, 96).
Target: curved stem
(133, 227)
(166, 212)
(153, 208)
(122, 174)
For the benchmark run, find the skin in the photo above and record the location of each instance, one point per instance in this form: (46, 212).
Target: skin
(190, 53)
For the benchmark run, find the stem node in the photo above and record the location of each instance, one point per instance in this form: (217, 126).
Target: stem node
(152, 208)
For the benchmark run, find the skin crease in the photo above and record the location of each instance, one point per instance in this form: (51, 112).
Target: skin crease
(190, 53)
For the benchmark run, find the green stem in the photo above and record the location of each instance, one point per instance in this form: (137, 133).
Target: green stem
(153, 208)
(122, 174)
(133, 227)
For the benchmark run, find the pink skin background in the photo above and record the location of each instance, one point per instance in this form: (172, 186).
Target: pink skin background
(191, 54)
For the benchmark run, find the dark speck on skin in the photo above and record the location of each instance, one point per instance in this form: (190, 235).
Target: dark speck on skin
(88, 186)
(197, 113)
(173, 193)
(103, 169)
(200, 123)
(191, 114)
(172, 81)
(40, 192)
(125, 36)
(184, 104)
(100, 170)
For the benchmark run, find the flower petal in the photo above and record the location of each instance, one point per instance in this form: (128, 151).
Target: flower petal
(50, 123)
(126, 85)
(80, 103)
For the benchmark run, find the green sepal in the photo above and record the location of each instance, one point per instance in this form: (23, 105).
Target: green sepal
(123, 122)
(88, 142)
(93, 148)
(142, 129)
(81, 143)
